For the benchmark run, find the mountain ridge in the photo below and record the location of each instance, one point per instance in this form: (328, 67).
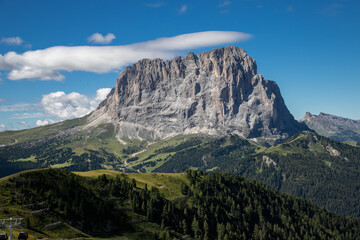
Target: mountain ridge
(335, 127)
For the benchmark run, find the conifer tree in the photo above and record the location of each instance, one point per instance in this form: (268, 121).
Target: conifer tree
(195, 227)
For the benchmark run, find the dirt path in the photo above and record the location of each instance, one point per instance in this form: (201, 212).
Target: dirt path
(146, 148)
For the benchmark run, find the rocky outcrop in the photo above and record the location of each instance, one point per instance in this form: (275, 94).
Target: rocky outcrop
(335, 127)
(216, 92)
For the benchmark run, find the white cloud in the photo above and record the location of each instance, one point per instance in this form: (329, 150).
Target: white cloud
(12, 41)
(29, 72)
(24, 123)
(101, 94)
(193, 40)
(183, 9)
(47, 63)
(99, 38)
(44, 122)
(2, 127)
(72, 105)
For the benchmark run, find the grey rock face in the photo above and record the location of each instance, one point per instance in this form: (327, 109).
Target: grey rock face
(215, 92)
(335, 127)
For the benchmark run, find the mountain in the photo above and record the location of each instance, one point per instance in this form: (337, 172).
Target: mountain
(106, 204)
(335, 127)
(217, 92)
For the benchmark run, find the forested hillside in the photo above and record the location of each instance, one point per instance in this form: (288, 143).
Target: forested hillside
(307, 165)
(213, 206)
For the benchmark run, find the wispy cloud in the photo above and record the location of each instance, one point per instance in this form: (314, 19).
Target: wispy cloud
(66, 106)
(183, 9)
(12, 41)
(28, 46)
(2, 127)
(290, 9)
(48, 63)
(27, 115)
(19, 107)
(332, 9)
(224, 4)
(99, 38)
(24, 123)
(155, 4)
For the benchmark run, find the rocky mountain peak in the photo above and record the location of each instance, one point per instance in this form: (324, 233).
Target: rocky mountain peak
(214, 92)
(335, 127)
(336, 120)
(308, 115)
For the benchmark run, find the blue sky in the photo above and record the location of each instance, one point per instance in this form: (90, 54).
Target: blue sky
(310, 48)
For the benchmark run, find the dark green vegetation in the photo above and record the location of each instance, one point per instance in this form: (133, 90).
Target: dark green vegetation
(62, 199)
(53, 153)
(56, 203)
(316, 168)
(214, 206)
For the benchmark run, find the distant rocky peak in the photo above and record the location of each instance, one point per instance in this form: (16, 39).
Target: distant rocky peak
(325, 114)
(330, 117)
(308, 115)
(332, 126)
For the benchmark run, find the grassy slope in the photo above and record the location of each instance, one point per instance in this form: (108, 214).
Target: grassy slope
(10, 209)
(100, 138)
(168, 184)
(11, 137)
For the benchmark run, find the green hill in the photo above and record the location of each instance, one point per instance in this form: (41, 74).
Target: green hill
(59, 204)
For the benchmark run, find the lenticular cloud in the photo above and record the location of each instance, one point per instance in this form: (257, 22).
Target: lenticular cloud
(47, 64)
